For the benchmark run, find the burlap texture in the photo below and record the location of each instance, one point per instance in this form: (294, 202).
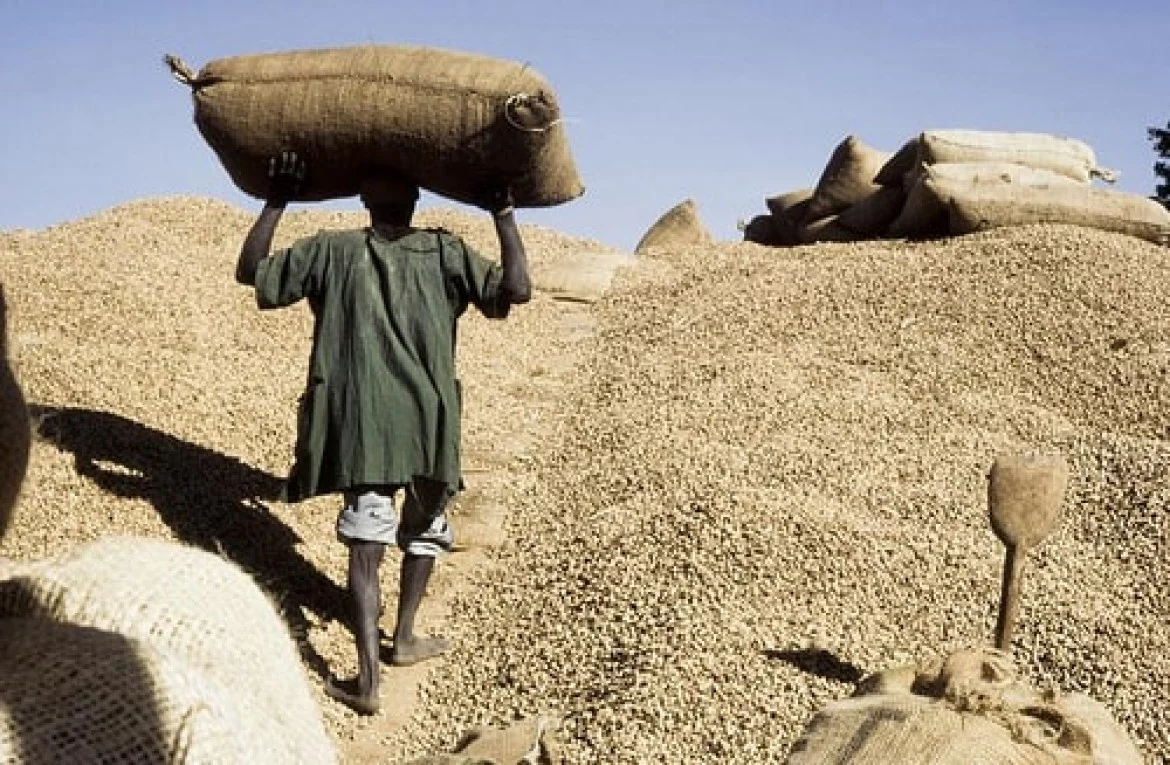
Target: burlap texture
(873, 215)
(74, 694)
(531, 741)
(969, 709)
(15, 433)
(1043, 151)
(769, 230)
(926, 208)
(902, 165)
(981, 206)
(848, 178)
(188, 613)
(456, 123)
(827, 230)
(792, 205)
(678, 226)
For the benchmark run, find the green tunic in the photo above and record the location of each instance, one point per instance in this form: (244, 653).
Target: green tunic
(381, 404)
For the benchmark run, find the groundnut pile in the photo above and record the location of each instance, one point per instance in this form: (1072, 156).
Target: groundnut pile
(771, 479)
(733, 486)
(164, 402)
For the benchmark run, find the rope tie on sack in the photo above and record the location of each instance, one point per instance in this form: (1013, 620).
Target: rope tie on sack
(518, 101)
(179, 70)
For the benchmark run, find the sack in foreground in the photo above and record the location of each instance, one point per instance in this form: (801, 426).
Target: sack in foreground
(456, 123)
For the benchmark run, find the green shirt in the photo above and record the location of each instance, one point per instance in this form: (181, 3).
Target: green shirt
(381, 404)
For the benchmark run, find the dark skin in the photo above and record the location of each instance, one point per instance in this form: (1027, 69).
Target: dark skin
(391, 221)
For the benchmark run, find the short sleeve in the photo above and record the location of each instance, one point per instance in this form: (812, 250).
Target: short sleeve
(286, 276)
(474, 278)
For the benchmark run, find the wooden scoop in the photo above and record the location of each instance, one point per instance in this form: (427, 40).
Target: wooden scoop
(1024, 495)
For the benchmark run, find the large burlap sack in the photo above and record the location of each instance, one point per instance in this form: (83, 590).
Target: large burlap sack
(194, 614)
(992, 205)
(925, 212)
(678, 226)
(848, 178)
(1043, 151)
(873, 215)
(15, 433)
(967, 710)
(456, 123)
(74, 694)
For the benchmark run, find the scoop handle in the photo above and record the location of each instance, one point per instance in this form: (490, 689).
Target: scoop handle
(1009, 599)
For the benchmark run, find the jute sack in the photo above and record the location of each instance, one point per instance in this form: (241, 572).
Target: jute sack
(980, 206)
(74, 694)
(925, 212)
(848, 178)
(900, 166)
(531, 741)
(456, 123)
(873, 215)
(15, 433)
(792, 206)
(199, 611)
(1043, 151)
(680, 225)
(827, 230)
(969, 709)
(769, 230)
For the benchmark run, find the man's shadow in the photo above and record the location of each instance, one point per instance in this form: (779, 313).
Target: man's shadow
(208, 499)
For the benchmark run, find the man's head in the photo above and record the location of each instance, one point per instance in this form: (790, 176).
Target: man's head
(389, 197)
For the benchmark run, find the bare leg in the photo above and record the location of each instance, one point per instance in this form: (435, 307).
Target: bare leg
(365, 558)
(410, 648)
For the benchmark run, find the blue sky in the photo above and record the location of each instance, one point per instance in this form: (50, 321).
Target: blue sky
(722, 102)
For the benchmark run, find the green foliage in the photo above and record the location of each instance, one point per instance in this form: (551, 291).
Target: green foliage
(1161, 140)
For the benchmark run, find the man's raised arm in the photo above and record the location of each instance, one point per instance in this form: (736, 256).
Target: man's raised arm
(517, 284)
(285, 173)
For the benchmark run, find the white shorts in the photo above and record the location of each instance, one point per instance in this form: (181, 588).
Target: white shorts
(368, 515)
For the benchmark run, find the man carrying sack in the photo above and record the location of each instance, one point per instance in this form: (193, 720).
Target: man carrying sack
(381, 411)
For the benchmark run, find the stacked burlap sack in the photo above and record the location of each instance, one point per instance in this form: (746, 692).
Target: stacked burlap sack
(458, 124)
(969, 709)
(954, 182)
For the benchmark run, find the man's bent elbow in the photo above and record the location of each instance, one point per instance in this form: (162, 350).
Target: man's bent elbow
(518, 294)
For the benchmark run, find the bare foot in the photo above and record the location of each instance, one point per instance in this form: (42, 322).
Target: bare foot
(407, 652)
(346, 691)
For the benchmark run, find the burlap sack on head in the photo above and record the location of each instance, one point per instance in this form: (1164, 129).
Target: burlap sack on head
(15, 433)
(198, 611)
(456, 123)
(925, 212)
(1043, 151)
(969, 709)
(848, 178)
(678, 226)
